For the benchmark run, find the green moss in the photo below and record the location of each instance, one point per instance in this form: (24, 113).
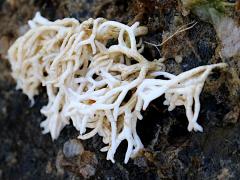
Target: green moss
(208, 10)
(217, 4)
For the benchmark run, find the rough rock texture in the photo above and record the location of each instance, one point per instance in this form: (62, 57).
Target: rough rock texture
(171, 151)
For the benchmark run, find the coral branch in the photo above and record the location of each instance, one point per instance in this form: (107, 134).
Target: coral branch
(101, 90)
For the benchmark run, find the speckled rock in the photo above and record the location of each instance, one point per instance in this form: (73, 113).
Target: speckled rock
(171, 152)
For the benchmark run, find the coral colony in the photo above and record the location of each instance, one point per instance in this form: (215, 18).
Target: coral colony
(96, 77)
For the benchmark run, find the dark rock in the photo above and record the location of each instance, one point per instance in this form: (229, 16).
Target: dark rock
(171, 151)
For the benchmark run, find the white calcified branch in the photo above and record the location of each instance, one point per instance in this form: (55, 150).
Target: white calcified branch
(183, 89)
(101, 89)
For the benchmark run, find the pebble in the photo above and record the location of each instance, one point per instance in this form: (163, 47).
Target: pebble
(72, 148)
(87, 171)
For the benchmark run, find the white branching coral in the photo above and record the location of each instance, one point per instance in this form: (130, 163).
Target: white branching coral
(96, 77)
(183, 89)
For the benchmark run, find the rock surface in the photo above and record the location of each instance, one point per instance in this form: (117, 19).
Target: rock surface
(171, 151)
